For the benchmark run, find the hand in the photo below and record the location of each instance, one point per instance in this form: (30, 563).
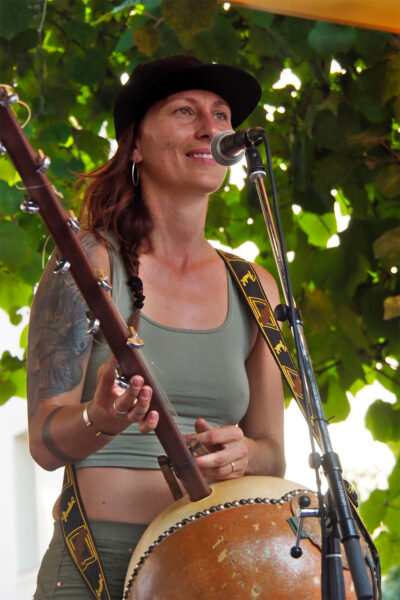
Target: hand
(119, 408)
(227, 458)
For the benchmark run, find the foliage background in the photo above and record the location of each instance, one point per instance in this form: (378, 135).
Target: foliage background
(339, 131)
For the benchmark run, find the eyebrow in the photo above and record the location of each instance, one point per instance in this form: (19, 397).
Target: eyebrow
(216, 103)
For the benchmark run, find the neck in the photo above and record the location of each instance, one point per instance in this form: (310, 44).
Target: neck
(178, 233)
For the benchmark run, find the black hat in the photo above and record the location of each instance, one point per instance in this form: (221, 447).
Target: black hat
(160, 78)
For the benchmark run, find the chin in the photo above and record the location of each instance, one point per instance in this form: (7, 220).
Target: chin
(211, 185)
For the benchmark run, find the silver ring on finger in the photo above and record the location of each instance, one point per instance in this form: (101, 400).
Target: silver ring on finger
(120, 412)
(233, 467)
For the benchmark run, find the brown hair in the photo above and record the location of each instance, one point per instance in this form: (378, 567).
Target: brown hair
(111, 202)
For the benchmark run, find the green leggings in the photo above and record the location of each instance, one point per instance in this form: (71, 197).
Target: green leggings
(59, 578)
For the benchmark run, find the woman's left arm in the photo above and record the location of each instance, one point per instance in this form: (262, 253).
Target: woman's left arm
(262, 424)
(256, 446)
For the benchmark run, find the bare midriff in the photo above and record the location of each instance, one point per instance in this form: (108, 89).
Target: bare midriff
(119, 494)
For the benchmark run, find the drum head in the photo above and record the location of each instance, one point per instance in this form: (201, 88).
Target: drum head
(234, 544)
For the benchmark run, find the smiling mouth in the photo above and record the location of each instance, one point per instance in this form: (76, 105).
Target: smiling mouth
(200, 155)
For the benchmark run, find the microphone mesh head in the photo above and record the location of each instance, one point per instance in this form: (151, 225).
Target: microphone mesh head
(218, 155)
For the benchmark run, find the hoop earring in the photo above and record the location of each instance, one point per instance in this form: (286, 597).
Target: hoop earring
(135, 174)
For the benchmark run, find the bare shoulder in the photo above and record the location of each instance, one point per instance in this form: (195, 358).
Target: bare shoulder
(269, 284)
(96, 249)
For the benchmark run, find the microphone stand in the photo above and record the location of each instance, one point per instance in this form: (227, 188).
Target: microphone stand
(339, 510)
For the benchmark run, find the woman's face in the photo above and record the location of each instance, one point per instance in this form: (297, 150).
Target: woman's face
(173, 145)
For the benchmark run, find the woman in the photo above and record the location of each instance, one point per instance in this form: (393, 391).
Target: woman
(145, 212)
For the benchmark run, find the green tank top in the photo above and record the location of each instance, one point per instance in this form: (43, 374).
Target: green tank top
(202, 373)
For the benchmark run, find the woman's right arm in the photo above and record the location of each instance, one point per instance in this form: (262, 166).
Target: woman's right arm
(58, 354)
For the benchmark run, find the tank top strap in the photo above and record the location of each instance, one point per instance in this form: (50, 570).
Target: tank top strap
(120, 291)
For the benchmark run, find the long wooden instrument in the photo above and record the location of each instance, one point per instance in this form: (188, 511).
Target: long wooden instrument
(31, 166)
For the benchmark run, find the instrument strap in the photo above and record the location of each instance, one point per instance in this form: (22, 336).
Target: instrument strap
(78, 537)
(247, 281)
(74, 524)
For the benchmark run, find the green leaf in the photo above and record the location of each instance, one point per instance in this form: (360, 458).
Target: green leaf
(15, 17)
(82, 32)
(23, 342)
(336, 405)
(387, 181)
(125, 41)
(14, 293)
(332, 170)
(326, 131)
(10, 362)
(94, 145)
(373, 510)
(87, 67)
(10, 199)
(330, 39)
(394, 482)
(319, 228)
(18, 379)
(332, 270)
(261, 18)
(7, 390)
(388, 546)
(370, 43)
(147, 38)
(188, 18)
(316, 308)
(14, 246)
(383, 421)
(8, 172)
(392, 80)
(123, 6)
(391, 584)
(217, 43)
(55, 133)
(366, 92)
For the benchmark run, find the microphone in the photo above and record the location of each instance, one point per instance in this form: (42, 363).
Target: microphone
(227, 147)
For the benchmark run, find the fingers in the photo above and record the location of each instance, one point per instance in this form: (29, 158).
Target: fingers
(201, 425)
(149, 423)
(229, 463)
(106, 373)
(215, 438)
(127, 399)
(134, 404)
(123, 407)
(229, 457)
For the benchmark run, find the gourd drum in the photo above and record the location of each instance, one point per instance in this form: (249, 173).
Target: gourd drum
(232, 544)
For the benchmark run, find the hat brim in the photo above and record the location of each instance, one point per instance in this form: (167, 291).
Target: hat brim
(237, 87)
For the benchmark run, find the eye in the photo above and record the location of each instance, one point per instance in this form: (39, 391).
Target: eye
(183, 110)
(221, 116)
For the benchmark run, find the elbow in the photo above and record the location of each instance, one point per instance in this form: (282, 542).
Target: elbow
(280, 467)
(279, 462)
(42, 457)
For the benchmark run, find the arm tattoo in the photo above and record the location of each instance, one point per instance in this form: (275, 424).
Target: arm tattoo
(57, 340)
(50, 443)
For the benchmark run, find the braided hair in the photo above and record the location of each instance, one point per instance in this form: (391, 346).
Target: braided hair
(112, 203)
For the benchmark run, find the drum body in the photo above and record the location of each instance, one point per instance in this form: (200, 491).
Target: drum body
(233, 544)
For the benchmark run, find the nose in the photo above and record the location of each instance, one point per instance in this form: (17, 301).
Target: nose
(207, 126)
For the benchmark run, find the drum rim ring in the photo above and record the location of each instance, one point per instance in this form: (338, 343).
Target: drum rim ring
(198, 515)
